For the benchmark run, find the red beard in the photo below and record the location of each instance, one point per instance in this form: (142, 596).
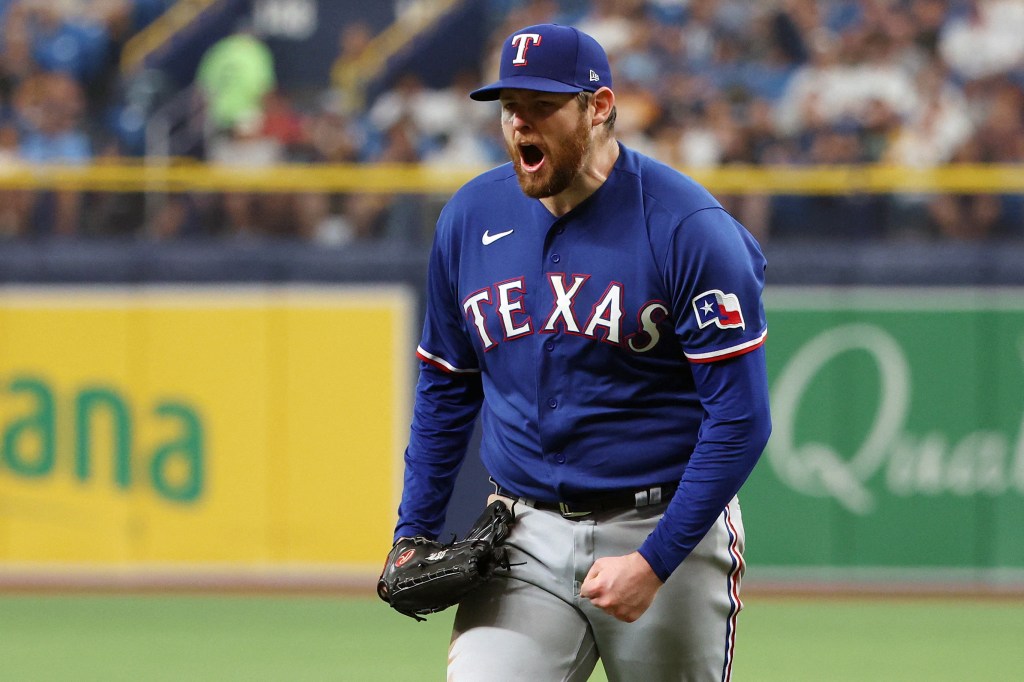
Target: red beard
(561, 166)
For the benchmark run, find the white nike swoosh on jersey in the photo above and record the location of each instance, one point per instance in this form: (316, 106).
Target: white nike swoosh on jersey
(489, 238)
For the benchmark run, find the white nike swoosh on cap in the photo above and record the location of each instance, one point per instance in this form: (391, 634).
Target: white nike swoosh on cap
(489, 238)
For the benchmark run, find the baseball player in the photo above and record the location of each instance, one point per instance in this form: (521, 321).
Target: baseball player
(601, 313)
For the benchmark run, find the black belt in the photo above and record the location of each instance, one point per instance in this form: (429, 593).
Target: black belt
(615, 500)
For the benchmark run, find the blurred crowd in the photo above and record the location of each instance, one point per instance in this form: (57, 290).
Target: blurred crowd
(699, 84)
(707, 83)
(58, 99)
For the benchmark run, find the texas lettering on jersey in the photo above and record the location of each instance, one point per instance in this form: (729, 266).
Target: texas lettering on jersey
(505, 301)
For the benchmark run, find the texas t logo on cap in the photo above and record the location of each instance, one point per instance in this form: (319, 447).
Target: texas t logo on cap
(523, 41)
(549, 58)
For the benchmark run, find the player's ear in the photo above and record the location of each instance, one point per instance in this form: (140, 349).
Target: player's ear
(603, 102)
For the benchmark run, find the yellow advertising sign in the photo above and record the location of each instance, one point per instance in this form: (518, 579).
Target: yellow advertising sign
(202, 426)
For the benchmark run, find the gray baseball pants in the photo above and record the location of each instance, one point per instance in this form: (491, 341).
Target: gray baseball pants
(533, 625)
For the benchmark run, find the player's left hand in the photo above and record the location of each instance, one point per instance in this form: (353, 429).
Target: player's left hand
(621, 586)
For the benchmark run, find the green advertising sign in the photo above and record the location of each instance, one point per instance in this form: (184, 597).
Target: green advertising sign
(898, 437)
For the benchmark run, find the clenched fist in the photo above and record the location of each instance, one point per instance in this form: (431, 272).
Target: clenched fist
(621, 586)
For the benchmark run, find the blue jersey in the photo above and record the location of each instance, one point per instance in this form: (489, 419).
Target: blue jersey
(615, 347)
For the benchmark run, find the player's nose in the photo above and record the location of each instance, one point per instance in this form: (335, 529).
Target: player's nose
(518, 121)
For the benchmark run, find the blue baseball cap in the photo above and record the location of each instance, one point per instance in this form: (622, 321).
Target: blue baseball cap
(549, 58)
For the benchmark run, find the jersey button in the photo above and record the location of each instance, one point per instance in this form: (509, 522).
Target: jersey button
(552, 403)
(549, 345)
(555, 258)
(560, 458)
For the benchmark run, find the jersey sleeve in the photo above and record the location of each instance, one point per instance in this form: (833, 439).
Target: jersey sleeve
(444, 413)
(716, 275)
(735, 430)
(715, 272)
(447, 402)
(444, 343)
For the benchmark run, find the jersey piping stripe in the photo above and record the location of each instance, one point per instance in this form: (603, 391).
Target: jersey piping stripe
(730, 352)
(441, 363)
(733, 587)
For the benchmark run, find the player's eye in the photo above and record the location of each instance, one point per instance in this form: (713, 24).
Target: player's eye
(545, 107)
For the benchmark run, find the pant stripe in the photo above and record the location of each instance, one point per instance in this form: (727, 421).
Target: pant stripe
(733, 587)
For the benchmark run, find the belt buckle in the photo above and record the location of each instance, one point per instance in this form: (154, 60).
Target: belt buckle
(567, 513)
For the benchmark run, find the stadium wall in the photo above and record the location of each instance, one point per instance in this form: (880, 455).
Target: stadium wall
(233, 414)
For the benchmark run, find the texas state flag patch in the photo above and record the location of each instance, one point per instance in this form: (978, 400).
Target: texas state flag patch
(718, 308)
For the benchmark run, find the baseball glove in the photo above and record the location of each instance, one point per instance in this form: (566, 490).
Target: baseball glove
(424, 576)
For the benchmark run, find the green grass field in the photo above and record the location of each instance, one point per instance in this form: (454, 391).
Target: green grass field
(83, 638)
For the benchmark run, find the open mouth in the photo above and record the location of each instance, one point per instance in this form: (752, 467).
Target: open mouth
(532, 157)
